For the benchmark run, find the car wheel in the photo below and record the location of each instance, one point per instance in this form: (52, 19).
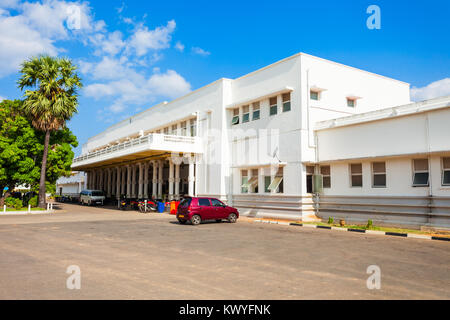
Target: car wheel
(196, 219)
(232, 218)
(182, 221)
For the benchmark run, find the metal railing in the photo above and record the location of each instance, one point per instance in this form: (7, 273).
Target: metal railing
(148, 139)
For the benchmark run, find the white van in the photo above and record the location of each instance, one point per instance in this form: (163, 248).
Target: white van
(91, 197)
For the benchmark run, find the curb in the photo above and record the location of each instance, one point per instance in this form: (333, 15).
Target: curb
(375, 232)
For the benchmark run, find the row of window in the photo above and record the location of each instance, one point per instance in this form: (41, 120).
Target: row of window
(186, 129)
(420, 177)
(271, 184)
(316, 94)
(256, 109)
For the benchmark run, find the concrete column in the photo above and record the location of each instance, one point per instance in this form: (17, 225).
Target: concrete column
(118, 182)
(171, 179)
(128, 181)
(100, 178)
(141, 181)
(124, 182)
(108, 182)
(93, 180)
(191, 178)
(177, 181)
(133, 181)
(146, 165)
(160, 177)
(155, 179)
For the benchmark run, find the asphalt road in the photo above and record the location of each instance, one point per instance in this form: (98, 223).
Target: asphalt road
(127, 255)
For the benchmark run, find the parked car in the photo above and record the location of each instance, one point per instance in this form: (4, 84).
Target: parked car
(198, 209)
(91, 197)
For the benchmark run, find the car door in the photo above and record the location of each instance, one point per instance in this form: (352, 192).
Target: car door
(204, 208)
(220, 211)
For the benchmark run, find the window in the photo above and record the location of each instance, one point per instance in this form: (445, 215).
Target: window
(379, 174)
(356, 175)
(273, 106)
(446, 171)
(309, 179)
(420, 175)
(351, 102)
(186, 202)
(245, 114)
(256, 112)
(183, 128)
(174, 129)
(314, 95)
(286, 102)
(203, 202)
(277, 183)
(217, 203)
(254, 180)
(244, 181)
(166, 130)
(267, 180)
(235, 119)
(193, 127)
(326, 176)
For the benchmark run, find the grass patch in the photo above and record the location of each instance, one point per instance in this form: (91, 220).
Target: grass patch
(23, 209)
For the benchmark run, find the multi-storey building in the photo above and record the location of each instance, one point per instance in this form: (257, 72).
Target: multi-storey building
(267, 141)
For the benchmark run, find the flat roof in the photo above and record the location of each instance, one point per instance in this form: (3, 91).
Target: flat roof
(388, 113)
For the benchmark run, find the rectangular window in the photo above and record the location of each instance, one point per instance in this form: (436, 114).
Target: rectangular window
(351, 103)
(379, 174)
(204, 202)
(356, 175)
(420, 174)
(254, 180)
(314, 95)
(446, 171)
(183, 128)
(256, 112)
(244, 181)
(273, 106)
(166, 130)
(267, 180)
(277, 183)
(193, 127)
(174, 129)
(286, 102)
(235, 119)
(326, 176)
(245, 114)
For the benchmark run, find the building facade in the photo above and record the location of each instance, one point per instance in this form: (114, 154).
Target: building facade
(254, 141)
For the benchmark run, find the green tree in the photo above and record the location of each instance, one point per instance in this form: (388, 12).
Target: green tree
(22, 147)
(52, 102)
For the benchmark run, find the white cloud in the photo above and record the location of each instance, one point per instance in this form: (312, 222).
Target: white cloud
(179, 46)
(144, 39)
(36, 27)
(433, 90)
(200, 51)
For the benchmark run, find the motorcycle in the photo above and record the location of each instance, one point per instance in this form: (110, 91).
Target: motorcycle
(122, 204)
(147, 207)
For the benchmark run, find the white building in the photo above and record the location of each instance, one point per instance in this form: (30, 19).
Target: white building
(258, 142)
(72, 185)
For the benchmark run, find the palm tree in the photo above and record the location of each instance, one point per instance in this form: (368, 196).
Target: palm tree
(51, 101)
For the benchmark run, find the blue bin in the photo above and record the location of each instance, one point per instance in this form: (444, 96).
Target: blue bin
(161, 207)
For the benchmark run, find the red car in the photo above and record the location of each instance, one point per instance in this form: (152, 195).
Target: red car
(196, 210)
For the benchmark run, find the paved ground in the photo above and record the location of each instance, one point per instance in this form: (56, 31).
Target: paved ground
(126, 255)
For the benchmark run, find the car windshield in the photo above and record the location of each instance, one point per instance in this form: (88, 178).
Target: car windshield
(185, 202)
(97, 193)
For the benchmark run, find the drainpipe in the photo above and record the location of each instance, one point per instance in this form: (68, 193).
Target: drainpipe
(430, 179)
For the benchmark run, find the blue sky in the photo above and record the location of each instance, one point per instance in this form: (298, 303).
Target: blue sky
(135, 54)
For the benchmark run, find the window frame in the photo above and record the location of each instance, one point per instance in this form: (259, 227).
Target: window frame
(356, 174)
(235, 116)
(244, 185)
(256, 108)
(246, 115)
(379, 174)
(286, 102)
(444, 170)
(273, 106)
(353, 101)
(420, 171)
(325, 176)
(316, 92)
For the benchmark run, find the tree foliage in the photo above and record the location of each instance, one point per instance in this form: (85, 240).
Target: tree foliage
(21, 149)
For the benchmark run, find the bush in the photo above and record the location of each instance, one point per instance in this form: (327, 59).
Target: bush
(33, 202)
(13, 203)
(369, 224)
(330, 220)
